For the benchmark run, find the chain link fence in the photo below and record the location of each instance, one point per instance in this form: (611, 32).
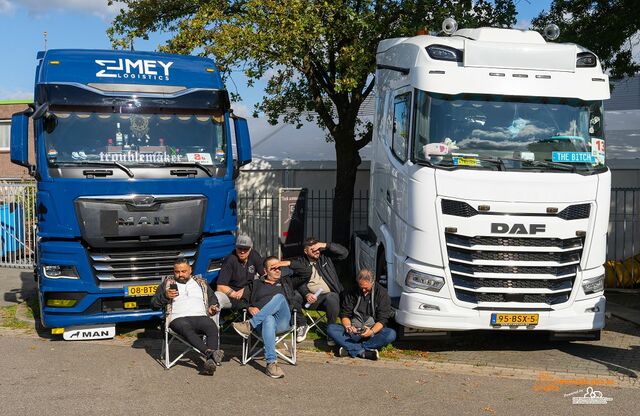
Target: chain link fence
(17, 223)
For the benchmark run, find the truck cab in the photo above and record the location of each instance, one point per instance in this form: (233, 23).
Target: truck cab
(489, 190)
(134, 168)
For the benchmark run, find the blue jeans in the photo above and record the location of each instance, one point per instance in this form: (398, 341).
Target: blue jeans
(355, 344)
(273, 318)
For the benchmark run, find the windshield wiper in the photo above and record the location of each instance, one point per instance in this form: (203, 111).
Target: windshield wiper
(196, 164)
(547, 164)
(99, 163)
(499, 162)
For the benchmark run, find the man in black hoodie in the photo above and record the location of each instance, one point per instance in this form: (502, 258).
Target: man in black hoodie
(320, 277)
(365, 311)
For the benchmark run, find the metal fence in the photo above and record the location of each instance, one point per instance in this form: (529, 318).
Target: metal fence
(17, 223)
(258, 217)
(623, 242)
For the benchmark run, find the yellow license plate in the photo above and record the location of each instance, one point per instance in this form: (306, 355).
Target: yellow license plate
(145, 290)
(514, 319)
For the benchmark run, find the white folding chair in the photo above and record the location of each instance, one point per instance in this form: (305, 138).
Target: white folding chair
(253, 345)
(171, 338)
(313, 322)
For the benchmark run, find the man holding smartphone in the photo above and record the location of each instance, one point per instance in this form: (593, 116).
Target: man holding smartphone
(190, 303)
(365, 311)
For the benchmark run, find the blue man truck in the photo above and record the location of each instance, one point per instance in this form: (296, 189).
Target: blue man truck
(134, 168)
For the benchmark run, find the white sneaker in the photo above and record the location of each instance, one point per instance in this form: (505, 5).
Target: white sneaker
(301, 333)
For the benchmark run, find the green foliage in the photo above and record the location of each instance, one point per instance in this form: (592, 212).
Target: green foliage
(318, 56)
(606, 27)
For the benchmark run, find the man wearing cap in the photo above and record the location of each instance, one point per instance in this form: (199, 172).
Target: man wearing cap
(239, 268)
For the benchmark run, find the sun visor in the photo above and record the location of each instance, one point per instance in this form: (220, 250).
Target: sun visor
(528, 56)
(81, 95)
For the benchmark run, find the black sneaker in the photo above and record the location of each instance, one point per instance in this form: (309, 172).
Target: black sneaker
(342, 352)
(209, 367)
(370, 355)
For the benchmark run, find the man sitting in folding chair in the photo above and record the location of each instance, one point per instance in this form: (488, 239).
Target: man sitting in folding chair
(241, 266)
(189, 303)
(322, 287)
(270, 301)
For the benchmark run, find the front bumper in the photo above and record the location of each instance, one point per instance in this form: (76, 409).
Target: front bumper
(577, 317)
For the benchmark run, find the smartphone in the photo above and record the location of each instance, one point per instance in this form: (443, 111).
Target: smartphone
(173, 286)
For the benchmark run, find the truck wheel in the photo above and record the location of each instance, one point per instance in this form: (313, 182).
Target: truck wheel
(381, 268)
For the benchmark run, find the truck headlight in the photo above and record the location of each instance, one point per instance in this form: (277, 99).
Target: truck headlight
(593, 285)
(60, 272)
(419, 280)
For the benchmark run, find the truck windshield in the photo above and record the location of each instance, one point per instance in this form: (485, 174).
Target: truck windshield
(507, 133)
(143, 137)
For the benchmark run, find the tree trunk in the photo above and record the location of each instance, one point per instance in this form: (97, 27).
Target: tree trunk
(348, 160)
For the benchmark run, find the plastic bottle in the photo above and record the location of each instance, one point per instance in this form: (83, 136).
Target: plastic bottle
(318, 292)
(118, 135)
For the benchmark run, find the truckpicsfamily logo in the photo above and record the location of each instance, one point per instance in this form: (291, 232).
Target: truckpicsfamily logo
(133, 221)
(501, 228)
(144, 69)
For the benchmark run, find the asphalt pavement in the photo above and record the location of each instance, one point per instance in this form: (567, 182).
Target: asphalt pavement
(85, 378)
(487, 373)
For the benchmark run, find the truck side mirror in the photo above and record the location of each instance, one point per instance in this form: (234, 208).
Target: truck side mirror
(243, 143)
(20, 141)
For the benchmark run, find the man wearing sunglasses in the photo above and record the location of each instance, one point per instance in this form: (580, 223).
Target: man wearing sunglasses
(269, 300)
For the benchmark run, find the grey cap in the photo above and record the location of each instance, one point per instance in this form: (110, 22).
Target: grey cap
(244, 241)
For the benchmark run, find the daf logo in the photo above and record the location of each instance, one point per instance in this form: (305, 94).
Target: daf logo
(133, 221)
(500, 228)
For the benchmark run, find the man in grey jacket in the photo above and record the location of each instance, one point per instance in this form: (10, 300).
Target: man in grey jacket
(365, 311)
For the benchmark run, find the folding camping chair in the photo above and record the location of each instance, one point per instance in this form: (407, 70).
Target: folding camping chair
(231, 316)
(313, 322)
(170, 337)
(252, 346)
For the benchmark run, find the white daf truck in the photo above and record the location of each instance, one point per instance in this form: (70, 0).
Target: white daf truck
(489, 193)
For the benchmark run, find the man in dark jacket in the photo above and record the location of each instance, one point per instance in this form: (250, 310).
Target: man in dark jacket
(189, 303)
(269, 300)
(320, 277)
(239, 268)
(365, 311)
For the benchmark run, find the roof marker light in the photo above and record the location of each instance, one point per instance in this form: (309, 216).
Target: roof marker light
(543, 76)
(551, 31)
(211, 70)
(496, 74)
(54, 62)
(449, 26)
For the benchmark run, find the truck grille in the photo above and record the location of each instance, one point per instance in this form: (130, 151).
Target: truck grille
(512, 269)
(127, 266)
(462, 209)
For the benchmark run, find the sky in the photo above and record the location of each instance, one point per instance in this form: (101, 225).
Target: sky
(83, 24)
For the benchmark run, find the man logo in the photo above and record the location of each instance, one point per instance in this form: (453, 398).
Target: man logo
(500, 228)
(89, 334)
